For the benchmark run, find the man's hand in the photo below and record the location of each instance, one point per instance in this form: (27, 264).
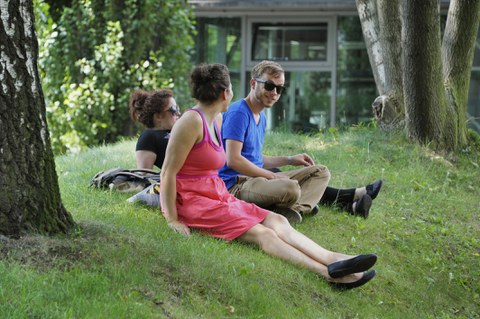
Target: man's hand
(302, 159)
(178, 227)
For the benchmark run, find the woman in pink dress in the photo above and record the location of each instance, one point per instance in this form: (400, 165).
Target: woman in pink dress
(194, 197)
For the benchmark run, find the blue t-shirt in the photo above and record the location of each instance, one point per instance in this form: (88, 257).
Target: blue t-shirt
(239, 124)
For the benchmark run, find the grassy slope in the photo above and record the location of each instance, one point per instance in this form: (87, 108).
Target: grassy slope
(124, 262)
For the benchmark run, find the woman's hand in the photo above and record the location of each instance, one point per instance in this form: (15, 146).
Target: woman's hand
(178, 227)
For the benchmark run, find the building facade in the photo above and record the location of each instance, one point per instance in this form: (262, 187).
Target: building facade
(320, 45)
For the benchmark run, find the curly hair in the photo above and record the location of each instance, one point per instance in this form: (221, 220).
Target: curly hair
(208, 81)
(143, 105)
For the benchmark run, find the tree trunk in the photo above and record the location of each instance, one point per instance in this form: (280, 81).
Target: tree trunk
(367, 11)
(436, 77)
(426, 107)
(29, 192)
(381, 27)
(457, 55)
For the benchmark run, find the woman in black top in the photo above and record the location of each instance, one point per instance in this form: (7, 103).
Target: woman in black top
(157, 112)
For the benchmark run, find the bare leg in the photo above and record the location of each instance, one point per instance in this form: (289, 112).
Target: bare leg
(269, 241)
(301, 242)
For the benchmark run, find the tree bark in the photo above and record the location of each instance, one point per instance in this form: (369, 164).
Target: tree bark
(29, 192)
(389, 19)
(367, 11)
(381, 25)
(458, 48)
(425, 102)
(435, 74)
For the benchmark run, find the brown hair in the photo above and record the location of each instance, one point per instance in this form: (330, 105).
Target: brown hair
(143, 105)
(269, 67)
(208, 81)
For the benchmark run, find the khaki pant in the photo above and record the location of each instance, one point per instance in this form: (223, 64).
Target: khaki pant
(301, 191)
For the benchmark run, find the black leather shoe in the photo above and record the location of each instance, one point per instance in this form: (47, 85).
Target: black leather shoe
(361, 207)
(367, 276)
(350, 266)
(374, 189)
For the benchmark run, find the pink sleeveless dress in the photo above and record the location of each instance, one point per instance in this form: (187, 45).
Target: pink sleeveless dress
(203, 201)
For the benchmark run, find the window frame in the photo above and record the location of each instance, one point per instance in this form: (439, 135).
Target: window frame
(302, 65)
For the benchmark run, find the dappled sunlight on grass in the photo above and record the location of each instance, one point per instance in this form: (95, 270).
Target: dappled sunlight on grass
(316, 144)
(124, 261)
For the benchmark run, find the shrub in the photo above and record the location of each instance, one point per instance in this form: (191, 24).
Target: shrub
(94, 53)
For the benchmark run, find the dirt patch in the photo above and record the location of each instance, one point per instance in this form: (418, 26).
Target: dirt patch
(46, 252)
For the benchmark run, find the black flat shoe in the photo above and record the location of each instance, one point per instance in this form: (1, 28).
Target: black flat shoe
(374, 189)
(350, 266)
(367, 276)
(361, 207)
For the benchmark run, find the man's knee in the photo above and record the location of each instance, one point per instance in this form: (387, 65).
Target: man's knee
(290, 193)
(320, 170)
(263, 192)
(317, 171)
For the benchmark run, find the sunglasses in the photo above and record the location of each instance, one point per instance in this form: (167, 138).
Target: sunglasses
(270, 86)
(174, 110)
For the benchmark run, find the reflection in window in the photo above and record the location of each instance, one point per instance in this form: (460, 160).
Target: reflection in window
(219, 41)
(290, 41)
(356, 88)
(305, 105)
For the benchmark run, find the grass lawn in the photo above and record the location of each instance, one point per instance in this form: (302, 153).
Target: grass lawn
(122, 261)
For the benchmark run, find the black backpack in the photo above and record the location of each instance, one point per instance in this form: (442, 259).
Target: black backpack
(125, 180)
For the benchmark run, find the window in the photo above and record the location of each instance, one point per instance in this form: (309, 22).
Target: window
(304, 46)
(290, 41)
(305, 105)
(356, 89)
(219, 41)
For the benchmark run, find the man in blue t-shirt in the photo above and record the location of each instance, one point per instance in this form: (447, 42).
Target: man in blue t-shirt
(251, 176)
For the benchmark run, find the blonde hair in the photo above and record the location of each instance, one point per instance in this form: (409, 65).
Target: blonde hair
(269, 67)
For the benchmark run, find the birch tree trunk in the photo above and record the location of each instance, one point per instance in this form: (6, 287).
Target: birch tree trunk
(29, 192)
(381, 26)
(367, 11)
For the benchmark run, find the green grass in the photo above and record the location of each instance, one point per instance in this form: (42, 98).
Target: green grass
(122, 261)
